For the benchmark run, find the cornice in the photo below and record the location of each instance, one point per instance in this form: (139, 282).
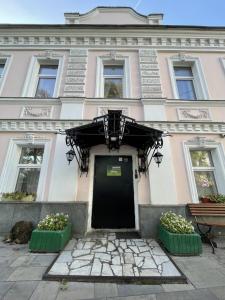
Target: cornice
(103, 39)
(28, 101)
(198, 103)
(53, 126)
(111, 102)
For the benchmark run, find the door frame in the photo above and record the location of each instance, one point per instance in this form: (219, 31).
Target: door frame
(123, 152)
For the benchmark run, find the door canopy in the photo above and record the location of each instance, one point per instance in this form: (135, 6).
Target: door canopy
(114, 130)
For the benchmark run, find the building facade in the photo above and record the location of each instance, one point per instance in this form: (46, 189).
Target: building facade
(57, 77)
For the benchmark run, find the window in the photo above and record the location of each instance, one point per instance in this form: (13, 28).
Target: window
(185, 83)
(203, 169)
(113, 81)
(46, 81)
(4, 67)
(187, 78)
(113, 77)
(29, 168)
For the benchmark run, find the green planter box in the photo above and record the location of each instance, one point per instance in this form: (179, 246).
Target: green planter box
(49, 241)
(180, 244)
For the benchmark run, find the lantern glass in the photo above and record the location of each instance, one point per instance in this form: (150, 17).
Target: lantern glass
(158, 158)
(70, 155)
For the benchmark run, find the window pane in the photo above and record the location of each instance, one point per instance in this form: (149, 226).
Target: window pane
(186, 89)
(201, 158)
(45, 88)
(113, 70)
(48, 70)
(113, 88)
(205, 183)
(183, 71)
(27, 180)
(1, 69)
(31, 155)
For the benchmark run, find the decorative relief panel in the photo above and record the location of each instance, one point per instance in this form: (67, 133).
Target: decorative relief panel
(199, 114)
(149, 69)
(75, 75)
(41, 112)
(103, 110)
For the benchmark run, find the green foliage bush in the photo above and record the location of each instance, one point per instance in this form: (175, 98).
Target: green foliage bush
(217, 198)
(176, 223)
(19, 196)
(54, 222)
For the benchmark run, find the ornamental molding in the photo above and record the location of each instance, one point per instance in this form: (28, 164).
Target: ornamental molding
(103, 110)
(37, 112)
(49, 54)
(28, 125)
(66, 40)
(198, 114)
(181, 56)
(201, 141)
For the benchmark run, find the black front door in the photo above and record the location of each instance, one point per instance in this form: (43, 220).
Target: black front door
(113, 197)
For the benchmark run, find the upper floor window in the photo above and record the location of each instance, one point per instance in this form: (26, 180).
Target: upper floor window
(187, 78)
(185, 83)
(204, 169)
(113, 81)
(46, 81)
(2, 66)
(29, 168)
(113, 77)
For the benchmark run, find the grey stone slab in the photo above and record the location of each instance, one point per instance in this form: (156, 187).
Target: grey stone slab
(21, 290)
(202, 271)
(24, 260)
(177, 287)
(65, 257)
(133, 289)
(27, 273)
(43, 260)
(83, 271)
(7, 260)
(70, 245)
(200, 294)
(77, 290)
(46, 290)
(137, 297)
(5, 272)
(105, 290)
(219, 292)
(59, 269)
(4, 287)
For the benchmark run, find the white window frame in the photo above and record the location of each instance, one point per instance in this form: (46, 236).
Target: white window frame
(218, 157)
(120, 60)
(200, 86)
(222, 59)
(7, 60)
(31, 82)
(46, 76)
(9, 175)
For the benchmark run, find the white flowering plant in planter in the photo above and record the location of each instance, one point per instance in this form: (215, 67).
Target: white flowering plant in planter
(54, 222)
(176, 223)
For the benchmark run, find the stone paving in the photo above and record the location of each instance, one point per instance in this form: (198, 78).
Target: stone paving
(110, 257)
(21, 279)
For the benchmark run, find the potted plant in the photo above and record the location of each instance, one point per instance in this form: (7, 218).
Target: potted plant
(178, 235)
(52, 233)
(19, 196)
(216, 198)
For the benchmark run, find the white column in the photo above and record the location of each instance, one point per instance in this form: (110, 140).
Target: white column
(162, 178)
(64, 177)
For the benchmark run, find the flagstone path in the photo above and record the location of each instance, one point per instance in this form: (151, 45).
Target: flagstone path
(110, 257)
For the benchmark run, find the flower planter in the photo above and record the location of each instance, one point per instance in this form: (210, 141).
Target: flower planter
(180, 244)
(49, 241)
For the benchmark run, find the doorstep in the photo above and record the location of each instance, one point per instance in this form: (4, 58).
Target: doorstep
(106, 258)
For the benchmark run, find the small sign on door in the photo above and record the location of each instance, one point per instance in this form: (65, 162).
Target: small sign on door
(114, 171)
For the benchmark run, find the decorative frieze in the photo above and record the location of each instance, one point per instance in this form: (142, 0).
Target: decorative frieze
(74, 41)
(36, 112)
(150, 80)
(55, 125)
(75, 75)
(199, 114)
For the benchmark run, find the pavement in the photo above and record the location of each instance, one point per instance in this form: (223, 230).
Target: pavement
(21, 279)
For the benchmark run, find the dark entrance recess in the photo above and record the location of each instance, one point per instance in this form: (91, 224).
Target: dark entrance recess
(113, 197)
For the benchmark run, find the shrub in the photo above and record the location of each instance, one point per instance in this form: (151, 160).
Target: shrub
(54, 222)
(19, 196)
(217, 198)
(176, 223)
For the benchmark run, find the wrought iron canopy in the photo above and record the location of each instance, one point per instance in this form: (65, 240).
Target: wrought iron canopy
(114, 130)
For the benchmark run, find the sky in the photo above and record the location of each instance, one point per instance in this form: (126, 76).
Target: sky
(176, 12)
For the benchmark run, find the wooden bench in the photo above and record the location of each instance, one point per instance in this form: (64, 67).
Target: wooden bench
(208, 215)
